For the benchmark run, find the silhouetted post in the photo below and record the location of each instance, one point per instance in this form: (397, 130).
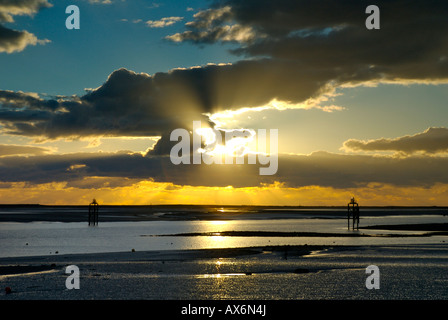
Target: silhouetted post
(353, 210)
(93, 212)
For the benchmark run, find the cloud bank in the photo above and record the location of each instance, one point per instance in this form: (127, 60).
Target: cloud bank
(432, 140)
(318, 169)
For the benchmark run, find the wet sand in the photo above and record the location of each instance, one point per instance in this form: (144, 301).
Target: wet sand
(442, 227)
(306, 234)
(257, 273)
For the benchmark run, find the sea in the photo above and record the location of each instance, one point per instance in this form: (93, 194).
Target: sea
(36, 230)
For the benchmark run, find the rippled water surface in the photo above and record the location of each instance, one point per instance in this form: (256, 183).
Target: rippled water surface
(48, 238)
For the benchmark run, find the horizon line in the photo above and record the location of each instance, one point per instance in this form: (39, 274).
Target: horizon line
(224, 205)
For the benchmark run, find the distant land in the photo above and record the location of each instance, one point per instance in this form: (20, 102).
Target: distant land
(78, 213)
(222, 206)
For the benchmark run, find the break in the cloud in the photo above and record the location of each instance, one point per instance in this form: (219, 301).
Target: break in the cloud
(432, 140)
(14, 40)
(10, 150)
(164, 22)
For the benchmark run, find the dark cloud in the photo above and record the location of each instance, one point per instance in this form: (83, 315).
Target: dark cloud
(127, 103)
(15, 40)
(326, 34)
(19, 100)
(343, 171)
(432, 140)
(140, 104)
(133, 104)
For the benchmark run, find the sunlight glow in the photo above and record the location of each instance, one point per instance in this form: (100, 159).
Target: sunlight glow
(218, 223)
(227, 144)
(119, 191)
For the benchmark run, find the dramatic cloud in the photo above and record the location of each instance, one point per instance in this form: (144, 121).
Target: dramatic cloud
(14, 40)
(294, 54)
(127, 104)
(134, 104)
(432, 140)
(301, 52)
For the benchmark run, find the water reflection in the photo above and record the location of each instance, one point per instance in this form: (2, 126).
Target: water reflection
(217, 222)
(216, 240)
(44, 238)
(218, 271)
(219, 275)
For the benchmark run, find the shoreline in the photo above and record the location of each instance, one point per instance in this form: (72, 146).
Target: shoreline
(266, 272)
(168, 255)
(437, 229)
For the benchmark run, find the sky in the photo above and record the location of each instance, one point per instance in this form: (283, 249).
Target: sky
(88, 113)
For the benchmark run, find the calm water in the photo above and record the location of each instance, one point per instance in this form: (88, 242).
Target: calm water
(49, 238)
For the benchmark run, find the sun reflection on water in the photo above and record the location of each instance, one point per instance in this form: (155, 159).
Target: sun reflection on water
(215, 239)
(218, 274)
